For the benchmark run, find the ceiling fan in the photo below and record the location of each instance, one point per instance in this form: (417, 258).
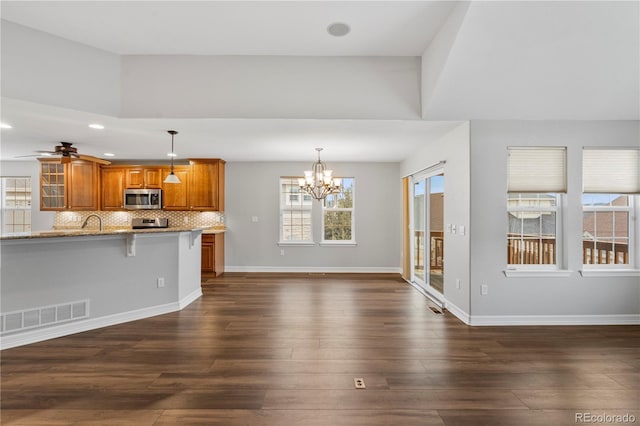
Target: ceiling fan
(66, 152)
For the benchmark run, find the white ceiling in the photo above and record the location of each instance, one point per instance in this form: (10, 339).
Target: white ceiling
(40, 127)
(378, 28)
(510, 60)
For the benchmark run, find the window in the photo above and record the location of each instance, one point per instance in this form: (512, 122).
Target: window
(536, 183)
(610, 183)
(606, 229)
(16, 204)
(295, 212)
(531, 239)
(337, 214)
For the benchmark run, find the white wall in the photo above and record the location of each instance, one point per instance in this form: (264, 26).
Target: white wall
(454, 149)
(40, 221)
(46, 69)
(270, 87)
(534, 297)
(253, 190)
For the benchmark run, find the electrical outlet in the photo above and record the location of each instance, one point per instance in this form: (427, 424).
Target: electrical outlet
(359, 383)
(254, 219)
(160, 282)
(484, 289)
(458, 283)
(281, 252)
(461, 229)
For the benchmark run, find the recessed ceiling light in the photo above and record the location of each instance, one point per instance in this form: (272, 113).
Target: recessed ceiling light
(5, 126)
(172, 154)
(338, 29)
(96, 126)
(109, 154)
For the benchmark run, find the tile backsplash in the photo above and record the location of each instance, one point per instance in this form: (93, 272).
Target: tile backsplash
(123, 218)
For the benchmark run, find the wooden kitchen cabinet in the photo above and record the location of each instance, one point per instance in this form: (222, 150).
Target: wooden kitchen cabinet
(71, 186)
(143, 177)
(207, 185)
(175, 196)
(213, 254)
(113, 185)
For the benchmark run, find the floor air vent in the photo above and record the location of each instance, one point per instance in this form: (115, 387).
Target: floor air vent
(44, 316)
(435, 310)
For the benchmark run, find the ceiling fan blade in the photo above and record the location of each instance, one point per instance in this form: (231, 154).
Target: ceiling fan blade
(47, 152)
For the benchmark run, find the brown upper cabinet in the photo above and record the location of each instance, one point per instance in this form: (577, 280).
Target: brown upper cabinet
(175, 196)
(207, 184)
(71, 186)
(201, 185)
(113, 188)
(143, 177)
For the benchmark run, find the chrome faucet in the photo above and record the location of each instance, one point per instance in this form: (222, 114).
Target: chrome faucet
(89, 217)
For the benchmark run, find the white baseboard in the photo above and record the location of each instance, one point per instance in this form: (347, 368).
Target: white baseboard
(554, 320)
(39, 335)
(190, 298)
(458, 313)
(316, 269)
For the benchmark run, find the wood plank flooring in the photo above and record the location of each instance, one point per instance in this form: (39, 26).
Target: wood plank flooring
(270, 349)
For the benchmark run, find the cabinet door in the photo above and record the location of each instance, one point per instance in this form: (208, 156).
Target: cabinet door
(204, 185)
(83, 185)
(208, 256)
(175, 196)
(135, 178)
(53, 186)
(153, 177)
(112, 189)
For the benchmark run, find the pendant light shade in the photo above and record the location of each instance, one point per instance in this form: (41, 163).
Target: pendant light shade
(171, 177)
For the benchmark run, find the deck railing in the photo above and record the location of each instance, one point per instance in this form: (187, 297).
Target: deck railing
(436, 248)
(543, 251)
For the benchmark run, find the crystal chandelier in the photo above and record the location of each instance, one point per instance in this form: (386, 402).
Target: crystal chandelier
(318, 181)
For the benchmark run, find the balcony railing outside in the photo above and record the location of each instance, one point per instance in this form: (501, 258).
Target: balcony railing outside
(437, 250)
(543, 251)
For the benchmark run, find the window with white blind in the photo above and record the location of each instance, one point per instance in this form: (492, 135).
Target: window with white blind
(611, 184)
(537, 181)
(295, 213)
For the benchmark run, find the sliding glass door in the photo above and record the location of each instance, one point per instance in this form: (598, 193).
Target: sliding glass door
(427, 231)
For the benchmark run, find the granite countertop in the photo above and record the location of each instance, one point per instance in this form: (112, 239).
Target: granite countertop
(75, 232)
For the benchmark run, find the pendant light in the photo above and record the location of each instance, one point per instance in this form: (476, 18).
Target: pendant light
(171, 177)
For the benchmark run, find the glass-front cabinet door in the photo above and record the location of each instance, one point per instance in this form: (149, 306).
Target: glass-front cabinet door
(52, 185)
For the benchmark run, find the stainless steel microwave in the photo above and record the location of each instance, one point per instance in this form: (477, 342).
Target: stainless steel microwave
(143, 199)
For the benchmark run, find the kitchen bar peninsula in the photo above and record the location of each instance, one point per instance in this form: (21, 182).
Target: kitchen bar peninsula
(56, 283)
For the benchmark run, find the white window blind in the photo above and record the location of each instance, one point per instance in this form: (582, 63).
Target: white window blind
(537, 169)
(611, 171)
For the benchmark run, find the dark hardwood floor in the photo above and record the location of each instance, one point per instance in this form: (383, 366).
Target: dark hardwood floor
(262, 349)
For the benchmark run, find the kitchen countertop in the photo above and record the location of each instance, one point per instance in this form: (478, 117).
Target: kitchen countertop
(74, 232)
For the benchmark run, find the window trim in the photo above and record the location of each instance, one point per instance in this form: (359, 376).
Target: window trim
(283, 208)
(609, 269)
(352, 241)
(557, 268)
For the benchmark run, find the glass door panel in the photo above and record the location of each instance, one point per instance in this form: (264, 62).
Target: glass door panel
(436, 232)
